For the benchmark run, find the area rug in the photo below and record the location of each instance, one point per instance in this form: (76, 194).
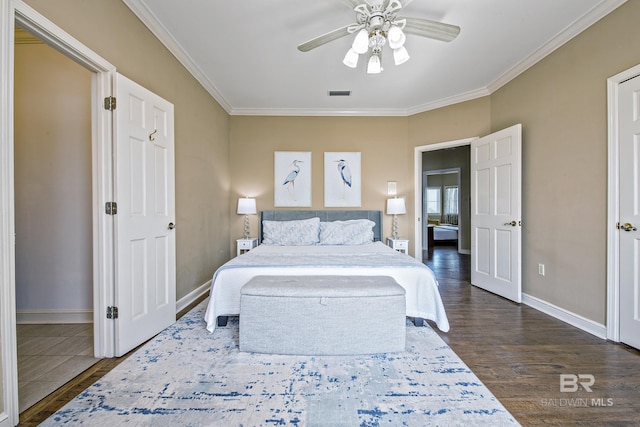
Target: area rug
(186, 376)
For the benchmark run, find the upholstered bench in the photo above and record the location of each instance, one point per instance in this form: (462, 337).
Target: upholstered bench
(322, 315)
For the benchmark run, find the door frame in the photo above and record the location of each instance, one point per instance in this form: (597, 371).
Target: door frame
(613, 199)
(458, 172)
(417, 186)
(12, 12)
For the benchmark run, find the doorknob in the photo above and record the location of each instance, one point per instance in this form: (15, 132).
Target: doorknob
(628, 227)
(512, 223)
(171, 226)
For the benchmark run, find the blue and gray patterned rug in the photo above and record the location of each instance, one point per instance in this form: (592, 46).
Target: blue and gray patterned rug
(188, 377)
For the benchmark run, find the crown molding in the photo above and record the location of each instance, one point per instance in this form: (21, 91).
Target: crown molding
(444, 102)
(316, 112)
(140, 9)
(579, 25)
(451, 100)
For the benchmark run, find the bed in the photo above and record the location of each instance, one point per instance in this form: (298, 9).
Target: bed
(445, 232)
(292, 244)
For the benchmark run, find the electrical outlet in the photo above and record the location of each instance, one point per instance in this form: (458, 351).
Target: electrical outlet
(541, 269)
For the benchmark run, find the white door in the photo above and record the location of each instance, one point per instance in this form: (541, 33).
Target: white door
(145, 291)
(629, 128)
(496, 161)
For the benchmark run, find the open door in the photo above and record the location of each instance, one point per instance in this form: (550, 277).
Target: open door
(629, 220)
(496, 163)
(145, 291)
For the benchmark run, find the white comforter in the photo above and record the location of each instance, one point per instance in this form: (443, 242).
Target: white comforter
(375, 259)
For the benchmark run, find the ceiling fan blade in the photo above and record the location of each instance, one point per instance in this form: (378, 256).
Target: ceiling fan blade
(393, 7)
(431, 29)
(325, 38)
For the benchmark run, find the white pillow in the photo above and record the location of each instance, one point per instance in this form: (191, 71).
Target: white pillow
(291, 233)
(350, 232)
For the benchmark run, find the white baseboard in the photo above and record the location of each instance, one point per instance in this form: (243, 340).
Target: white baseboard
(192, 296)
(566, 316)
(464, 251)
(24, 317)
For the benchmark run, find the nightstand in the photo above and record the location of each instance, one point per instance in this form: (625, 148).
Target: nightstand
(245, 245)
(400, 245)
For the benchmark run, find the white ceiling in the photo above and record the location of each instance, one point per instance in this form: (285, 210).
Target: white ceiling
(244, 52)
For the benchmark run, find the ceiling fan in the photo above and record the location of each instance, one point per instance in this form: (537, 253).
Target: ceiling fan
(377, 24)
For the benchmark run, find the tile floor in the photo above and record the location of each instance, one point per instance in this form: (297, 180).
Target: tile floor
(49, 356)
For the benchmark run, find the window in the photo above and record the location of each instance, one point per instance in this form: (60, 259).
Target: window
(433, 200)
(451, 200)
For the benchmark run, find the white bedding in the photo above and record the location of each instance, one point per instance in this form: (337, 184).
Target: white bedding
(374, 259)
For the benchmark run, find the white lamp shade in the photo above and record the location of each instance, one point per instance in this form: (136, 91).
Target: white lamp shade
(351, 59)
(246, 206)
(395, 37)
(374, 66)
(361, 42)
(396, 206)
(400, 55)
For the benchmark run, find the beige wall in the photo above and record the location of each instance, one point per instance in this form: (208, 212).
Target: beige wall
(111, 30)
(381, 141)
(386, 143)
(562, 105)
(53, 207)
(460, 121)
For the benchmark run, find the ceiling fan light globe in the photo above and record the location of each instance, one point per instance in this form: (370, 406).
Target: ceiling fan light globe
(361, 42)
(396, 37)
(374, 66)
(400, 55)
(351, 59)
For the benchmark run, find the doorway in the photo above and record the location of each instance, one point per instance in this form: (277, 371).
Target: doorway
(451, 261)
(53, 203)
(452, 156)
(21, 15)
(495, 209)
(441, 204)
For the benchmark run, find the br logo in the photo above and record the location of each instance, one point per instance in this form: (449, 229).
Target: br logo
(569, 382)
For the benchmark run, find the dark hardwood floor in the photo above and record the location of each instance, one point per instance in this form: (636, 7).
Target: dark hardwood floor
(518, 352)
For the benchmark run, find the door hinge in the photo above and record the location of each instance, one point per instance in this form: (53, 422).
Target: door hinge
(111, 208)
(110, 103)
(112, 312)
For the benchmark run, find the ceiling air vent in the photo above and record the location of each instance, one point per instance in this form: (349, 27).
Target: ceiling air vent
(339, 93)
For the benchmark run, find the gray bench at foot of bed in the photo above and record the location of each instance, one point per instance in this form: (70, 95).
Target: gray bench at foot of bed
(322, 315)
(222, 321)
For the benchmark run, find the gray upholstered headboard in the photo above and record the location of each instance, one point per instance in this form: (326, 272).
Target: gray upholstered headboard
(286, 215)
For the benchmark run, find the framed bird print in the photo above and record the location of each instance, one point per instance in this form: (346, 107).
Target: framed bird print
(342, 185)
(292, 179)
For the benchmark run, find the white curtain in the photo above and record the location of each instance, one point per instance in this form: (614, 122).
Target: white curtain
(451, 205)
